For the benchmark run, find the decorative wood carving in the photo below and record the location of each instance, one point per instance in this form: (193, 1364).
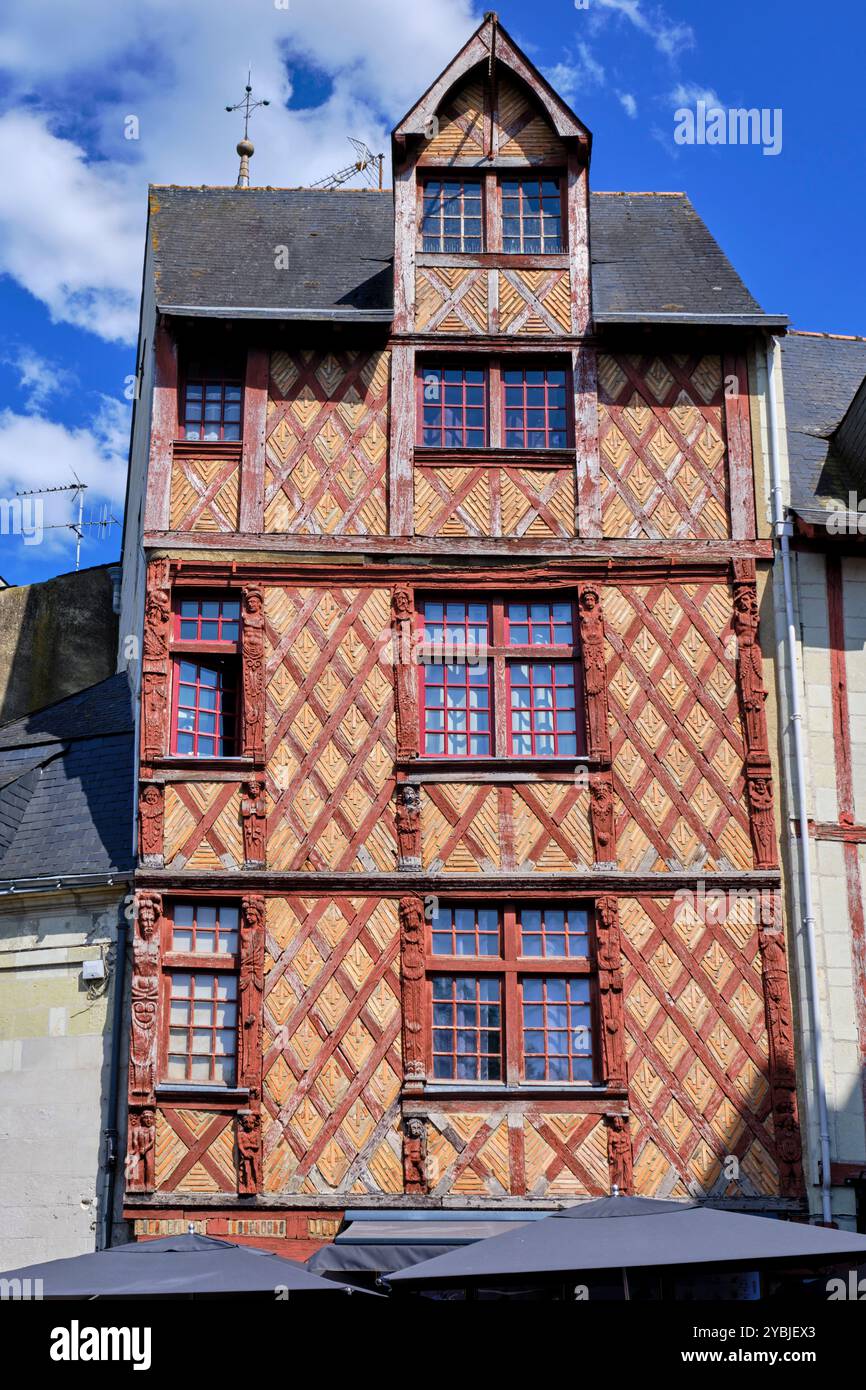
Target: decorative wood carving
(145, 998)
(253, 653)
(248, 1136)
(405, 671)
(759, 783)
(601, 808)
(251, 984)
(141, 1150)
(619, 1153)
(254, 808)
(609, 963)
(408, 819)
(157, 628)
(780, 1031)
(595, 673)
(151, 816)
(415, 1155)
(412, 974)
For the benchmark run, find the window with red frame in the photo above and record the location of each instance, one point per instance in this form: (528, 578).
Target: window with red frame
(207, 619)
(205, 713)
(205, 675)
(535, 414)
(454, 410)
(452, 405)
(510, 995)
(451, 217)
(211, 408)
(531, 214)
(516, 654)
(200, 994)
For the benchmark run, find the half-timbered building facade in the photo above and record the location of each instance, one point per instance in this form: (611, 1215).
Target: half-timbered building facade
(458, 878)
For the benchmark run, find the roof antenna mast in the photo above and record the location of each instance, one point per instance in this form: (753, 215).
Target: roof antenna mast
(245, 147)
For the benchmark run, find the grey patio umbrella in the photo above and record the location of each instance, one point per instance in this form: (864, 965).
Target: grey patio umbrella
(619, 1233)
(174, 1267)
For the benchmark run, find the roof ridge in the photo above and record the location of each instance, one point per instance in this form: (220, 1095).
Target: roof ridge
(638, 193)
(837, 337)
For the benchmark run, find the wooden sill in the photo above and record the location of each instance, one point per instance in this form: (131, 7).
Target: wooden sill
(427, 457)
(206, 1095)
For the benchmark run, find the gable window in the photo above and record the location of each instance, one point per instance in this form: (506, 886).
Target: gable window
(498, 1013)
(518, 655)
(452, 407)
(531, 214)
(211, 408)
(205, 675)
(451, 217)
(200, 994)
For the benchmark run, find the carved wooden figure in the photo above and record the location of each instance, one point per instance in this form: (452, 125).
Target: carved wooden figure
(151, 814)
(157, 630)
(408, 819)
(254, 808)
(601, 809)
(248, 1135)
(414, 1155)
(141, 1150)
(619, 1153)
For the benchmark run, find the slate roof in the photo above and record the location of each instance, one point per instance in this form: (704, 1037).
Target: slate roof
(66, 787)
(822, 375)
(653, 259)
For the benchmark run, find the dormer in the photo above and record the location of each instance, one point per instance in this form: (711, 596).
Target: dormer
(491, 201)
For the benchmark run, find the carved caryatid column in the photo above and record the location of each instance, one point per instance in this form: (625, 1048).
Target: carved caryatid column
(595, 671)
(412, 971)
(253, 675)
(405, 672)
(145, 998)
(144, 1011)
(248, 1127)
(601, 808)
(750, 680)
(780, 1032)
(154, 668)
(609, 964)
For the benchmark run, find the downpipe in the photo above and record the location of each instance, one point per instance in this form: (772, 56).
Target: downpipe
(781, 532)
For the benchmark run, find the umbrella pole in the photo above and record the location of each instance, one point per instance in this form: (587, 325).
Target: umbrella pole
(625, 1288)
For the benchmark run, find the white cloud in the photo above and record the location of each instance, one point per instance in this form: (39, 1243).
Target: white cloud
(628, 103)
(36, 452)
(690, 93)
(670, 36)
(72, 201)
(38, 378)
(574, 76)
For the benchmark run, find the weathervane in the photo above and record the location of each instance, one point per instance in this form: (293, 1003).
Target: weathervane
(246, 147)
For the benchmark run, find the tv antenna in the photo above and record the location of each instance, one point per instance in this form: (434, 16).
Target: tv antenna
(245, 147)
(100, 524)
(364, 164)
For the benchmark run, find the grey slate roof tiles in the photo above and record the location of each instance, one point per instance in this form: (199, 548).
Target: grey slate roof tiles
(821, 375)
(66, 787)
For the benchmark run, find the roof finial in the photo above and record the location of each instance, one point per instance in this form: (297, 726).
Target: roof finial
(245, 147)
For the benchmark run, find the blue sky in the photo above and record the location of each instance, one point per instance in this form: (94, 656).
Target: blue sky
(72, 194)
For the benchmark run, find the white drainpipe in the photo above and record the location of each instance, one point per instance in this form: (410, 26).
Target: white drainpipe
(780, 529)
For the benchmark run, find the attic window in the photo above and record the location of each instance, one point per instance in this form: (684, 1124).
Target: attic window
(211, 407)
(452, 215)
(532, 214)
